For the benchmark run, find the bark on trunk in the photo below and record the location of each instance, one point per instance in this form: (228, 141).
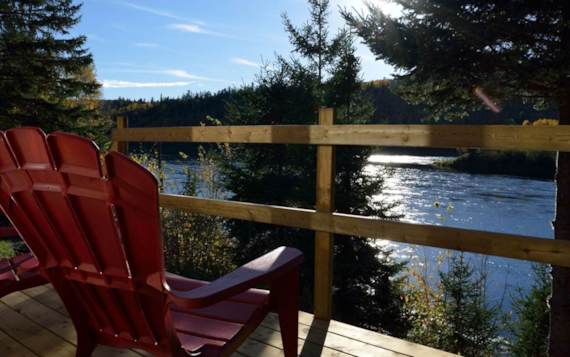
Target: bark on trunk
(559, 342)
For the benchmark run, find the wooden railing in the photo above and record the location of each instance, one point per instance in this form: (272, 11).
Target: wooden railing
(325, 222)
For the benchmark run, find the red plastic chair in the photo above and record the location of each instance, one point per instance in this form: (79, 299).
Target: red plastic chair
(95, 236)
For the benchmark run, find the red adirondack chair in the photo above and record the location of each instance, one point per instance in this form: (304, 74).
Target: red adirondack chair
(95, 236)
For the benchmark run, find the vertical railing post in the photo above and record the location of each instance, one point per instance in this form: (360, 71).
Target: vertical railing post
(121, 146)
(324, 240)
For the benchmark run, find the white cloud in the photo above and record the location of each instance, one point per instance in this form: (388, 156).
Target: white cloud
(193, 28)
(150, 10)
(159, 12)
(198, 28)
(146, 45)
(244, 62)
(182, 74)
(112, 83)
(173, 72)
(133, 68)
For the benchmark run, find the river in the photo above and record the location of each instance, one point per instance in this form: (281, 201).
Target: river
(424, 194)
(483, 202)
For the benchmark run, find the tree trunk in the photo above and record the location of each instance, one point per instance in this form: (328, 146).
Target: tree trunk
(559, 341)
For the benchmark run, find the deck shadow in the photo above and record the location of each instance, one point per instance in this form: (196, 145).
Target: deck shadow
(315, 340)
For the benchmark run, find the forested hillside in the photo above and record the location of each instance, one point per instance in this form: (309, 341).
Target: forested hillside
(389, 108)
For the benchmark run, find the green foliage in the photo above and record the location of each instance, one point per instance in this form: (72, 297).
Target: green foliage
(197, 246)
(190, 109)
(531, 316)
(452, 314)
(367, 288)
(473, 329)
(445, 50)
(423, 304)
(344, 88)
(44, 72)
(6, 250)
(312, 41)
(379, 97)
(453, 56)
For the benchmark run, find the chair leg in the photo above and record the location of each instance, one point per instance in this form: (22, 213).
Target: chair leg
(286, 290)
(85, 344)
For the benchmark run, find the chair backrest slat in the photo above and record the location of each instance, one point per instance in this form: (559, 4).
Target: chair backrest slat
(97, 237)
(66, 253)
(148, 328)
(98, 318)
(76, 230)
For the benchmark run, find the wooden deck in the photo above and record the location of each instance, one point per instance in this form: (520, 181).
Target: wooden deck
(35, 323)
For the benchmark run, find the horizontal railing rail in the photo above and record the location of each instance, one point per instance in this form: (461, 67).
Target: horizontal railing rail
(499, 244)
(497, 137)
(325, 222)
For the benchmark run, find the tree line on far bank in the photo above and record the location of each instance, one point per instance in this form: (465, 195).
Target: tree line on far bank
(385, 107)
(389, 107)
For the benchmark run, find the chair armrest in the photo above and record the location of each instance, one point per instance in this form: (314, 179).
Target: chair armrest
(261, 270)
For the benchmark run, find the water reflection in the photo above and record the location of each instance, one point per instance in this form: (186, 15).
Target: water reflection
(482, 202)
(431, 196)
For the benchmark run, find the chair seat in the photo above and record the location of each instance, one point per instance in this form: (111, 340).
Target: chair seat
(211, 328)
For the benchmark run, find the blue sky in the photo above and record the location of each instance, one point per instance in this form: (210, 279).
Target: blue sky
(148, 48)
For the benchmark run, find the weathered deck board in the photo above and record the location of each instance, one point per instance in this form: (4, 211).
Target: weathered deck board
(11, 347)
(35, 323)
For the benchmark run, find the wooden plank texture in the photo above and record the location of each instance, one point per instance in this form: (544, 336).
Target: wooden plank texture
(120, 145)
(30, 328)
(324, 240)
(326, 338)
(11, 347)
(549, 138)
(505, 245)
(50, 317)
(308, 322)
(270, 335)
(32, 335)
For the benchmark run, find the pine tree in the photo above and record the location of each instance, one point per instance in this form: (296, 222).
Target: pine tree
(43, 79)
(344, 88)
(311, 40)
(530, 324)
(445, 50)
(367, 285)
(472, 326)
(451, 314)
(451, 53)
